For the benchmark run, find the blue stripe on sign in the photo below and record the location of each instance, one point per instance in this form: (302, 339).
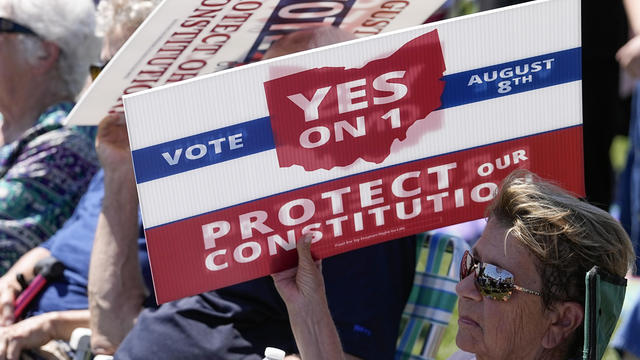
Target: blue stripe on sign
(467, 87)
(512, 78)
(204, 149)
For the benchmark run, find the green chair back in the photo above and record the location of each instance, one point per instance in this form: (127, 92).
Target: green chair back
(603, 302)
(432, 298)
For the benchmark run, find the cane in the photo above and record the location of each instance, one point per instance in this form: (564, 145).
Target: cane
(46, 270)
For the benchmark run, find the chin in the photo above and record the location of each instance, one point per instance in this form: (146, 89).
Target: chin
(466, 342)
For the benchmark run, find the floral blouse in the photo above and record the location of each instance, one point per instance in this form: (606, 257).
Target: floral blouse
(42, 176)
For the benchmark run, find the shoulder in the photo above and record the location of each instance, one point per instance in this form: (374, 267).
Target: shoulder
(59, 135)
(49, 131)
(61, 142)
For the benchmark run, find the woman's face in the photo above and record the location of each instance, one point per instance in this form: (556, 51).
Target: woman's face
(511, 329)
(13, 68)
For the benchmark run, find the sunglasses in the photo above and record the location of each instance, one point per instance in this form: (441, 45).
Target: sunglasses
(96, 69)
(8, 26)
(492, 281)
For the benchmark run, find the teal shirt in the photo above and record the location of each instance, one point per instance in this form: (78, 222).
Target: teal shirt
(43, 174)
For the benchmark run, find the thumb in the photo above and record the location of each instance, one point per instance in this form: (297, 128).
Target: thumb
(304, 251)
(308, 278)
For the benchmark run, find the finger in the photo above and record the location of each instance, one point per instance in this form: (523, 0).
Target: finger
(108, 121)
(309, 277)
(7, 314)
(3, 347)
(7, 308)
(619, 54)
(13, 349)
(111, 121)
(633, 66)
(116, 118)
(285, 274)
(305, 260)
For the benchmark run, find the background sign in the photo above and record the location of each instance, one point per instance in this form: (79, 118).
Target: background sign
(356, 143)
(182, 39)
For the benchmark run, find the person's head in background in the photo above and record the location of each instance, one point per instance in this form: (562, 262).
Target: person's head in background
(117, 20)
(47, 47)
(547, 240)
(307, 39)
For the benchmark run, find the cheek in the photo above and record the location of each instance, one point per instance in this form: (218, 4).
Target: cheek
(502, 322)
(532, 323)
(506, 328)
(521, 328)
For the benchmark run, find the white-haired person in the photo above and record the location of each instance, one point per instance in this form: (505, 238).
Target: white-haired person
(522, 288)
(62, 305)
(47, 47)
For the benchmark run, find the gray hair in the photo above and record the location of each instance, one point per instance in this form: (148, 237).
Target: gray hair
(70, 24)
(126, 13)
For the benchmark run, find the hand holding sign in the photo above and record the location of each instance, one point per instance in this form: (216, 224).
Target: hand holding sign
(112, 145)
(302, 289)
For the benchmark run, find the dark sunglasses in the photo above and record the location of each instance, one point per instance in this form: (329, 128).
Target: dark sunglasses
(8, 26)
(96, 69)
(492, 281)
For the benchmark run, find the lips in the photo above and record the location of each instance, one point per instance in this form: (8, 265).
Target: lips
(464, 320)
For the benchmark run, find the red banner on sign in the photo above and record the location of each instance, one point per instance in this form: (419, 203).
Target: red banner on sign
(328, 117)
(255, 239)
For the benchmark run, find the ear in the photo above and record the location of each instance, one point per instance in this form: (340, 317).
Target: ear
(565, 318)
(47, 58)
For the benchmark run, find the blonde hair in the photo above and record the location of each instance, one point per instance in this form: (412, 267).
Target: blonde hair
(567, 236)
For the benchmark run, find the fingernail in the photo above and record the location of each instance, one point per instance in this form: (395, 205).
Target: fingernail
(307, 238)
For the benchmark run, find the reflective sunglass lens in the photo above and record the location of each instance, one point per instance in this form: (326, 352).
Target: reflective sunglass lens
(495, 283)
(96, 69)
(465, 265)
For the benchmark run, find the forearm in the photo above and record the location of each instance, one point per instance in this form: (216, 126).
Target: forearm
(632, 8)
(116, 288)
(315, 333)
(26, 263)
(64, 322)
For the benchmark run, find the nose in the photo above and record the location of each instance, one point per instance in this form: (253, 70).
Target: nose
(466, 288)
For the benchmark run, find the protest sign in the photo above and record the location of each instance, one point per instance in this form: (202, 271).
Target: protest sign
(182, 39)
(356, 143)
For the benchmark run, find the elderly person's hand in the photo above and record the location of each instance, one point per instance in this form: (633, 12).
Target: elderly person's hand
(36, 331)
(9, 290)
(27, 334)
(112, 144)
(302, 289)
